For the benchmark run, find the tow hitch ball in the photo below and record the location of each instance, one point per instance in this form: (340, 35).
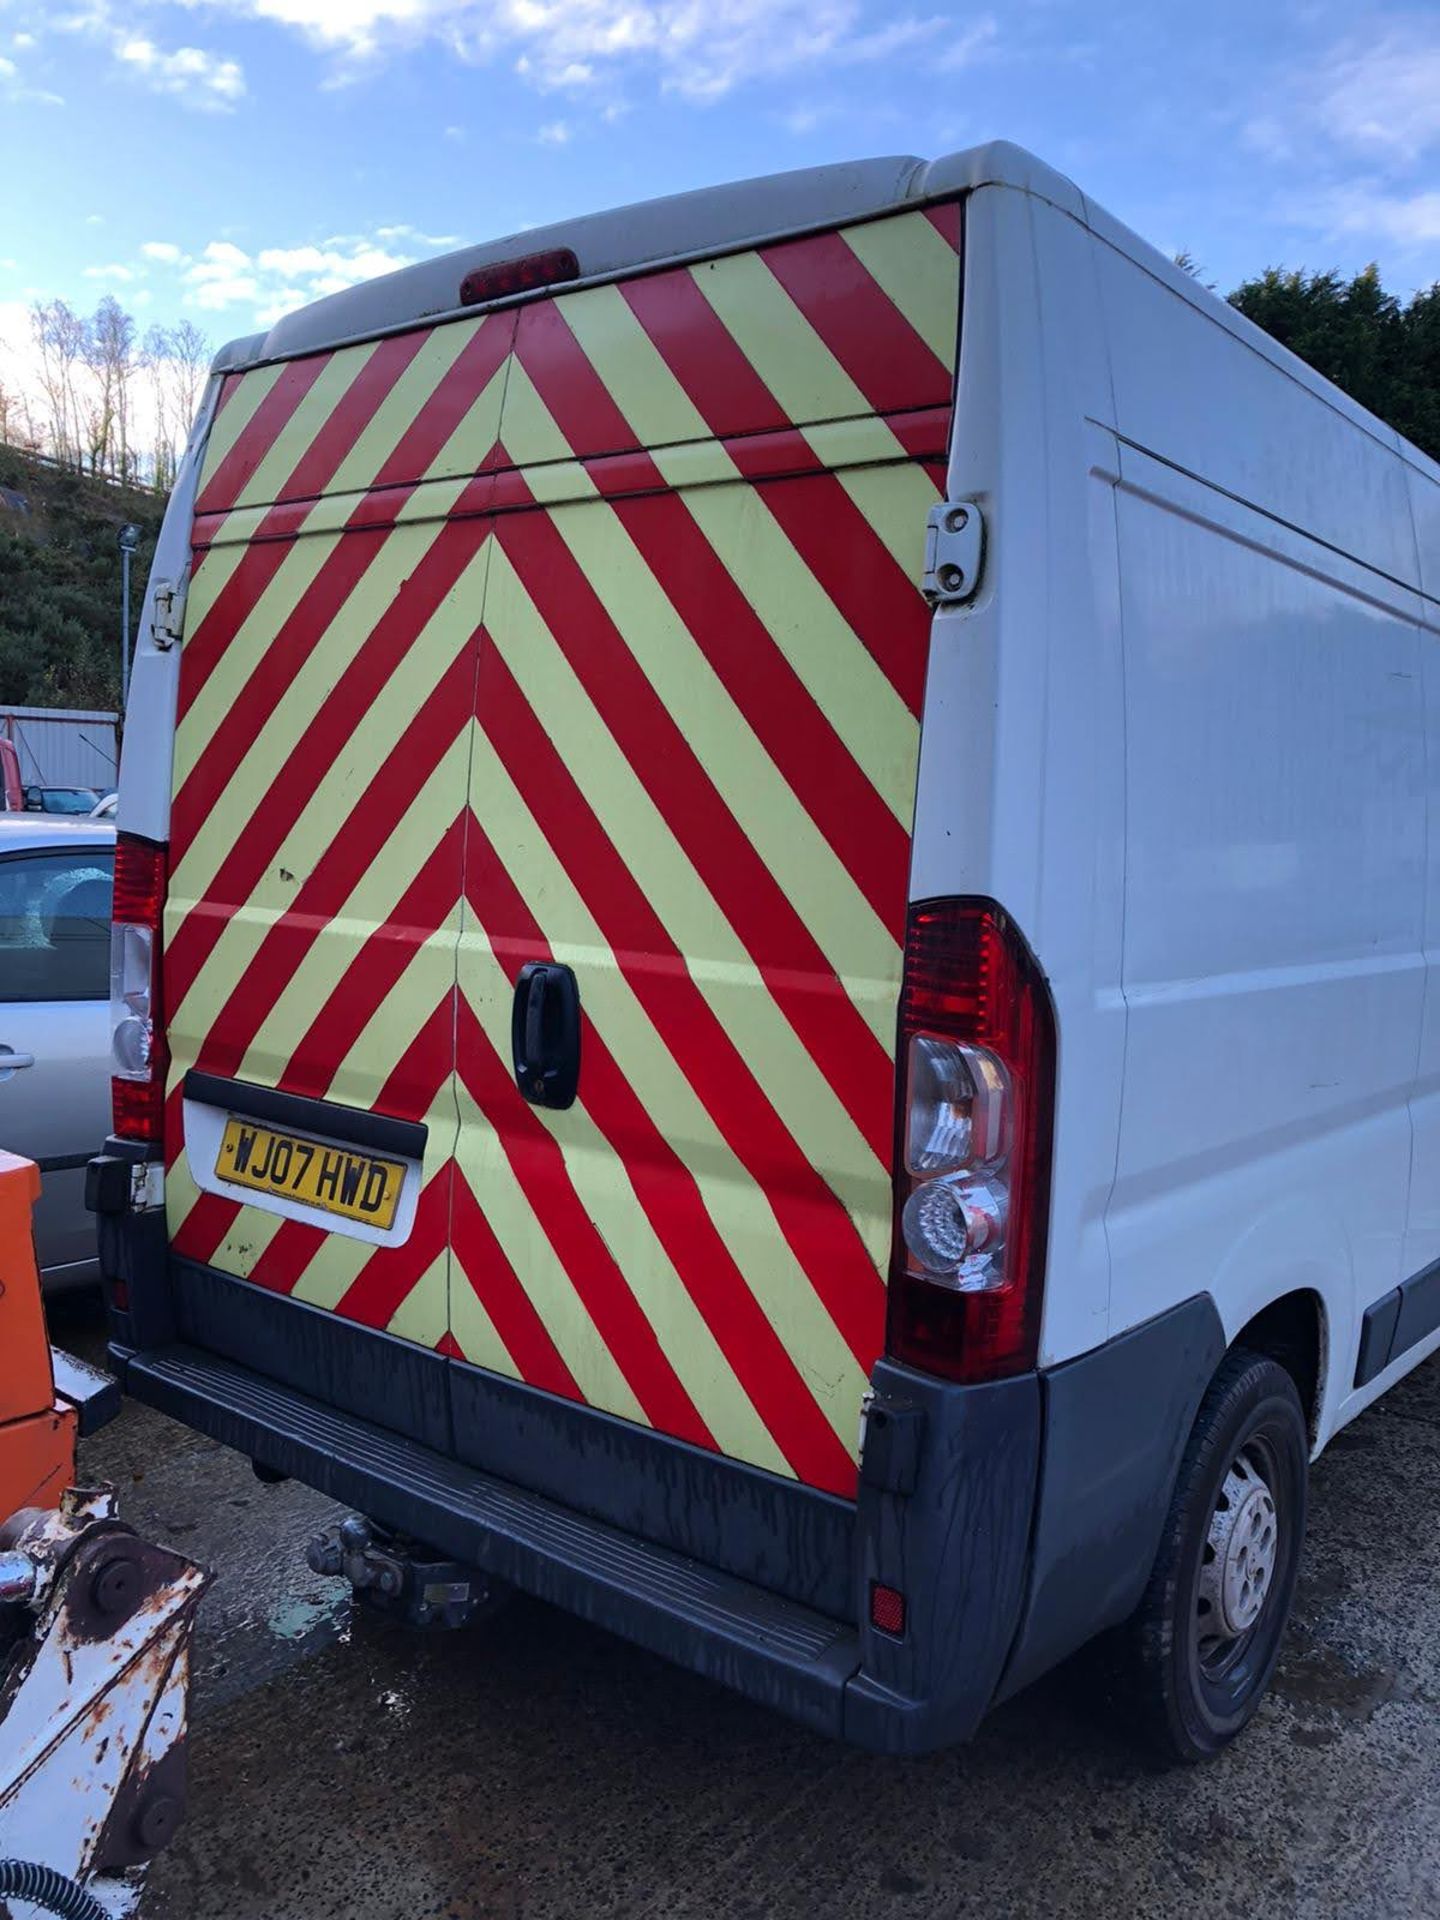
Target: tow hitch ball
(400, 1577)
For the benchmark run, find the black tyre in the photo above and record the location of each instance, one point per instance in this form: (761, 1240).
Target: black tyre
(1201, 1648)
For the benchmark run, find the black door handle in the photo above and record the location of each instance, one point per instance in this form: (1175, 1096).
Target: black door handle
(545, 1034)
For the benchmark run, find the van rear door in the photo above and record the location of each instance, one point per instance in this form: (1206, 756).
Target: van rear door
(320, 792)
(692, 784)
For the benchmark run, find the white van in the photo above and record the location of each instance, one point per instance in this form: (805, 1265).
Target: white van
(776, 869)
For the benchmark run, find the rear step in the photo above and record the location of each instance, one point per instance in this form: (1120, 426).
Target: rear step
(771, 1649)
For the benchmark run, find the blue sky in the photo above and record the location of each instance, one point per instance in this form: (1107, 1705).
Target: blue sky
(226, 159)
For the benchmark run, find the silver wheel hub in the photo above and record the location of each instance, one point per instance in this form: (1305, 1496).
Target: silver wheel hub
(1242, 1548)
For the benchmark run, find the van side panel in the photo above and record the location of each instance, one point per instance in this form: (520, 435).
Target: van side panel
(588, 630)
(1274, 965)
(1248, 427)
(1423, 1241)
(1275, 806)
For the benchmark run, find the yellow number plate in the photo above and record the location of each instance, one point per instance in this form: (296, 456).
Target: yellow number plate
(335, 1179)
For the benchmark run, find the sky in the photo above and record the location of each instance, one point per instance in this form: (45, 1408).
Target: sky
(227, 160)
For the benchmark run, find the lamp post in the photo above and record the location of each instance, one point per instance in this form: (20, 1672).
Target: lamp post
(127, 539)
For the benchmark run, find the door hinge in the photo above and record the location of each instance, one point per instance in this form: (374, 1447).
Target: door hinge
(954, 543)
(168, 617)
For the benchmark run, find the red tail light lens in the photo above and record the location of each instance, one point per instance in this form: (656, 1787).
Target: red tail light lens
(505, 277)
(139, 1058)
(975, 1097)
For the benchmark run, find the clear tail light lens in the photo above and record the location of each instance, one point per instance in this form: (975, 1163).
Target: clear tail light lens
(954, 1231)
(957, 1108)
(139, 1059)
(973, 1132)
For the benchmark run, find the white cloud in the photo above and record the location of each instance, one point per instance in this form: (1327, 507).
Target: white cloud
(881, 42)
(165, 251)
(555, 133)
(222, 277)
(802, 120)
(13, 85)
(404, 231)
(963, 50)
(328, 269)
(699, 48)
(206, 82)
(1382, 94)
(113, 272)
(1406, 220)
(1373, 97)
(272, 281)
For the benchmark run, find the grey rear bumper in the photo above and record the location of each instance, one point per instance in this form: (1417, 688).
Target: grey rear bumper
(1017, 1518)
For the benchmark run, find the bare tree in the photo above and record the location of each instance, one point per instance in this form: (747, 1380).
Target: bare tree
(59, 334)
(191, 351)
(17, 422)
(176, 360)
(111, 357)
(156, 359)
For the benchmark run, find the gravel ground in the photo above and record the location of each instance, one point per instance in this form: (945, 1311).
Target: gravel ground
(345, 1769)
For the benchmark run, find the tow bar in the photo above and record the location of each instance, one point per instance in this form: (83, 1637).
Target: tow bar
(395, 1576)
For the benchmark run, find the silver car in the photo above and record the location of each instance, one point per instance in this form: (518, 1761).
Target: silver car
(56, 876)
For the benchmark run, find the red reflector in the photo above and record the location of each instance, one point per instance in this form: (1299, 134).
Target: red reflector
(120, 1295)
(137, 1108)
(887, 1608)
(505, 277)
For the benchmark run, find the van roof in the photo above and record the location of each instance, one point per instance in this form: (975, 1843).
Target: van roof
(680, 226)
(747, 213)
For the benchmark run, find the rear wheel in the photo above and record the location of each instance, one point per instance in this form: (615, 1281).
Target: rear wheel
(1204, 1642)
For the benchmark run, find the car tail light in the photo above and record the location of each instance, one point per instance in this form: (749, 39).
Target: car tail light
(524, 275)
(975, 1098)
(138, 1053)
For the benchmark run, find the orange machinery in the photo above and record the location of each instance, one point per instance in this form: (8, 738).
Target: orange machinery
(37, 1428)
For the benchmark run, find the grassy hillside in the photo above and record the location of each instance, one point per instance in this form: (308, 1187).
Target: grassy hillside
(60, 582)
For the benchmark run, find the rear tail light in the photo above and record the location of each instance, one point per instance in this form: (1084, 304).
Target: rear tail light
(973, 1131)
(137, 1037)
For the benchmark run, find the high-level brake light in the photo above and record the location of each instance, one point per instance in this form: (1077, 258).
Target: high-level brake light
(973, 1131)
(137, 1041)
(504, 277)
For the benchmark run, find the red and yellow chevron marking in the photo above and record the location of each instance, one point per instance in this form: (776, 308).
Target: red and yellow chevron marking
(587, 630)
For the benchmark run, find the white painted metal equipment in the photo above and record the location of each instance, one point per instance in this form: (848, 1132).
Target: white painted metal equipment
(93, 1707)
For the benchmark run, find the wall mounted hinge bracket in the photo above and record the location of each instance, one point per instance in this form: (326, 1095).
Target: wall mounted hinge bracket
(167, 619)
(954, 545)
